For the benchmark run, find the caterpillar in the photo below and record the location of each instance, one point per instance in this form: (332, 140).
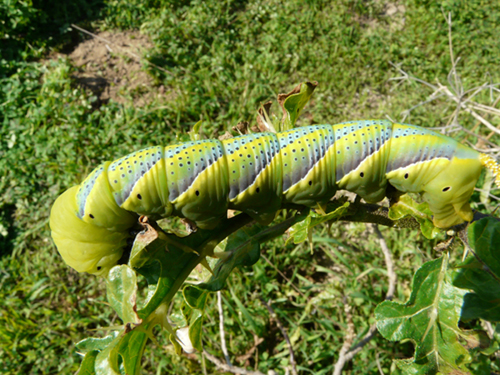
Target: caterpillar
(257, 174)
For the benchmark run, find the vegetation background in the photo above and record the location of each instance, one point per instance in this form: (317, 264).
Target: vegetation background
(63, 110)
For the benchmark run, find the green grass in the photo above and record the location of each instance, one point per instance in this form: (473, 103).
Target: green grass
(226, 59)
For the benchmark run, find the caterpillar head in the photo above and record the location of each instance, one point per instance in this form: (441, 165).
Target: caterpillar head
(83, 246)
(449, 192)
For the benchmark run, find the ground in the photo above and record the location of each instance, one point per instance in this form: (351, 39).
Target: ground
(110, 64)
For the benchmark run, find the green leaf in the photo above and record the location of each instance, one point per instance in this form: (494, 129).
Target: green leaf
(194, 302)
(430, 320)
(195, 297)
(166, 260)
(195, 330)
(88, 364)
(146, 245)
(131, 349)
(121, 286)
(294, 102)
(175, 343)
(406, 206)
(481, 273)
(107, 351)
(92, 343)
(161, 271)
(484, 236)
(300, 231)
(106, 362)
(195, 132)
(239, 249)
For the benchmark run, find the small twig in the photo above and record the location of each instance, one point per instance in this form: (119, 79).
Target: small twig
(346, 356)
(134, 55)
(489, 194)
(453, 72)
(204, 363)
(380, 371)
(285, 335)
(225, 367)
(348, 339)
(389, 263)
(431, 99)
(479, 137)
(488, 327)
(406, 76)
(221, 328)
(455, 92)
(256, 342)
(466, 108)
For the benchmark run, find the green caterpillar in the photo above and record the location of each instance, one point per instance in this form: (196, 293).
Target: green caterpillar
(257, 174)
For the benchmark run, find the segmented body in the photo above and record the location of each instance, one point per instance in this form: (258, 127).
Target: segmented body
(257, 174)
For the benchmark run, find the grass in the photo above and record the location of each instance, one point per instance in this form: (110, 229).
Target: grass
(225, 59)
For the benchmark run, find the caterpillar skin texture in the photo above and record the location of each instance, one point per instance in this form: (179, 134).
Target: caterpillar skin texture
(257, 174)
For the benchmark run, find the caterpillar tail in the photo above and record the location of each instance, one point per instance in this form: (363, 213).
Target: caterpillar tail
(490, 163)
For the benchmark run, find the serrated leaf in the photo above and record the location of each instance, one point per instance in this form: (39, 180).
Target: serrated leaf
(430, 320)
(121, 286)
(481, 274)
(406, 206)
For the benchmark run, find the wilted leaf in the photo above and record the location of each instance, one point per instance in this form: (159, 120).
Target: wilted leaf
(121, 286)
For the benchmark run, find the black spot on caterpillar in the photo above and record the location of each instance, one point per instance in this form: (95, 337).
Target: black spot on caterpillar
(91, 222)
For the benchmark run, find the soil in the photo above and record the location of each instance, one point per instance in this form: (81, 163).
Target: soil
(111, 66)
